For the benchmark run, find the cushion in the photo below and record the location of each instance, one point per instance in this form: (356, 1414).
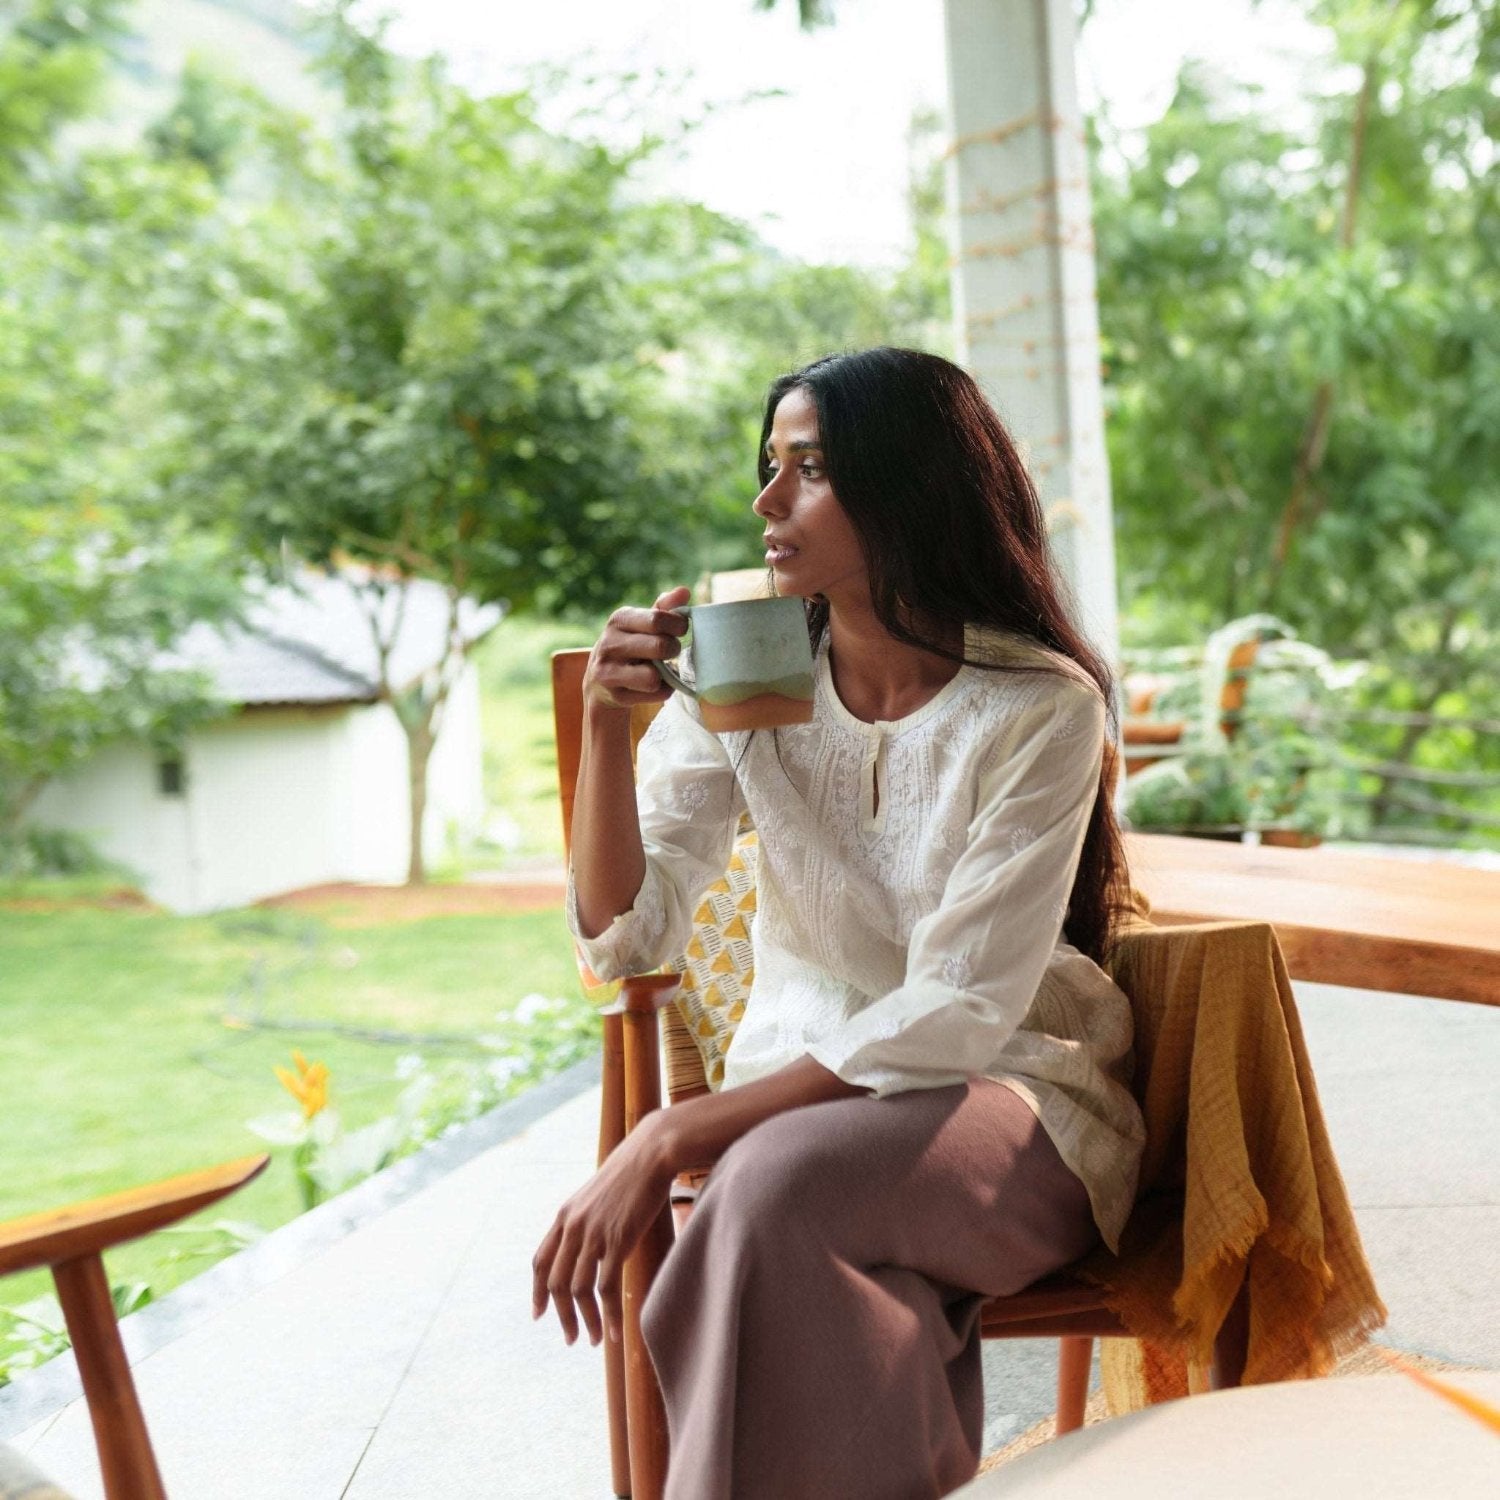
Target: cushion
(718, 966)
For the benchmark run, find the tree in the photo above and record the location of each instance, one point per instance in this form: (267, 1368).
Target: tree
(96, 577)
(53, 56)
(433, 340)
(439, 348)
(1302, 329)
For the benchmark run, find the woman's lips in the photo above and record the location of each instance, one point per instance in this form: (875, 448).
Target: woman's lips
(778, 552)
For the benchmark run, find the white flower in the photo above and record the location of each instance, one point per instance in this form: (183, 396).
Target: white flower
(530, 1007)
(503, 1069)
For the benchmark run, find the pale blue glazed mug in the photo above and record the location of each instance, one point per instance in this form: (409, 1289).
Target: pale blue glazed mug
(752, 663)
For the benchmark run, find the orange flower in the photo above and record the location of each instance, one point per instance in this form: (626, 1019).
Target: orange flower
(308, 1085)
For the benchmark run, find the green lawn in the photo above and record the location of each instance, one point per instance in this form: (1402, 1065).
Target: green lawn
(118, 1066)
(137, 1044)
(520, 766)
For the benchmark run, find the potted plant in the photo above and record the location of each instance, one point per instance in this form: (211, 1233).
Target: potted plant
(1253, 755)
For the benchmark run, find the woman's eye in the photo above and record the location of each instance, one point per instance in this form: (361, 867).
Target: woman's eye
(811, 471)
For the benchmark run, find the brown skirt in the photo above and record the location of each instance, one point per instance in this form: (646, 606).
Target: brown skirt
(816, 1326)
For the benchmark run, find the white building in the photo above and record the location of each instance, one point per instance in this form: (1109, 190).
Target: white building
(304, 779)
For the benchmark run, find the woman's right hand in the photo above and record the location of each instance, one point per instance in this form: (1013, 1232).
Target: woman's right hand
(620, 673)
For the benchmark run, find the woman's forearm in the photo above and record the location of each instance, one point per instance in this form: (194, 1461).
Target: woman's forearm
(608, 861)
(697, 1132)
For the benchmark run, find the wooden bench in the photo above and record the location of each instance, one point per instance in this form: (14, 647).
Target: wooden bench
(1368, 921)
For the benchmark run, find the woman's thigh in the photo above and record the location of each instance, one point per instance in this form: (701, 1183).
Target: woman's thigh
(961, 1184)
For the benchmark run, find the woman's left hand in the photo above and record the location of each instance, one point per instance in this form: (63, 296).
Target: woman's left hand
(596, 1229)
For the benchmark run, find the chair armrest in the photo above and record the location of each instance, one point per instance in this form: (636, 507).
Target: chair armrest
(643, 994)
(97, 1224)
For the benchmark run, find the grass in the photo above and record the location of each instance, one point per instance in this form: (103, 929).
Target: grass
(138, 1044)
(520, 763)
(119, 1068)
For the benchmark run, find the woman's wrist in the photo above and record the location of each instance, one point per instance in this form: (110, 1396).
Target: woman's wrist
(659, 1142)
(604, 719)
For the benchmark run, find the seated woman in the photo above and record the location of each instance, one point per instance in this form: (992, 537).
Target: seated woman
(926, 1101)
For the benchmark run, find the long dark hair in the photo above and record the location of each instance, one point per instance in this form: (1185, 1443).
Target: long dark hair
(953, 534)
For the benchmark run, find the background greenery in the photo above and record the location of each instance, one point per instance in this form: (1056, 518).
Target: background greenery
(1301, 320)
(416, 330)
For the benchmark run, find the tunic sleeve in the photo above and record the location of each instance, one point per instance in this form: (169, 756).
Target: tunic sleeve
(689, 803)
(975, 963)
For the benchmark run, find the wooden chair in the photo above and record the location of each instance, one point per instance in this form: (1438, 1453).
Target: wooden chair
(1063, 1306)
(71, 1242)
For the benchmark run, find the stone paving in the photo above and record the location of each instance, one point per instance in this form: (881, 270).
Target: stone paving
(382, 1348)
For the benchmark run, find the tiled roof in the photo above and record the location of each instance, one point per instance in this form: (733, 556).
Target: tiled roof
(313, 642)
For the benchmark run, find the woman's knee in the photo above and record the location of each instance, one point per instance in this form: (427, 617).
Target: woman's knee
(786, 1166)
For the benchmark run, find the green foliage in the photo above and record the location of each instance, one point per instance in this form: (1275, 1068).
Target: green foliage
(206, 124)
(98, 575)
(1302, 339)
(36, 1331)
(53, 55)
(438, 347)
(50, 853)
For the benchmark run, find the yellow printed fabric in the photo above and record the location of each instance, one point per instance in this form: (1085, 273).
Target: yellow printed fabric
(718, 965)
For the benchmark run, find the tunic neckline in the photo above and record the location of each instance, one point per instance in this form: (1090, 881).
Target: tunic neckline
(881, 728)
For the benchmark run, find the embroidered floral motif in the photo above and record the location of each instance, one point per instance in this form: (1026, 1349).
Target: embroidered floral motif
(1022, 836)
(958, 970)
(691, 795)
(1068, 723)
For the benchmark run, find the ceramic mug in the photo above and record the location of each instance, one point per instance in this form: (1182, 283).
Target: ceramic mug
(752, 663)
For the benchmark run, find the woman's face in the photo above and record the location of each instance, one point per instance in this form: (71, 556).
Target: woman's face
(810, 545)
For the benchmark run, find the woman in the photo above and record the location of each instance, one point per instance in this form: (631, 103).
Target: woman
(925, 1102)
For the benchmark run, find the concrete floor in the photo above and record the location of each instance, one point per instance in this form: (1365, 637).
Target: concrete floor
(382, 1348)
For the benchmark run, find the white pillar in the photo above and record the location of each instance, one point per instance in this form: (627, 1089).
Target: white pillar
(1023, 271)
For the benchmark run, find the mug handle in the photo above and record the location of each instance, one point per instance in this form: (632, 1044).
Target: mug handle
(668, 673)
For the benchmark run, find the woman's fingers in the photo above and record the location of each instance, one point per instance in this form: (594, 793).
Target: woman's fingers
(609, 1295)
(541, 1267)
(620, 671)
(552, 1271)
(629, 630)
(673, 599)
(583, 1295)
(560, 1283)
(565, 1269)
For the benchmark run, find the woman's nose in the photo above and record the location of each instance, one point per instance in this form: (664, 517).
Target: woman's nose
(769, 502)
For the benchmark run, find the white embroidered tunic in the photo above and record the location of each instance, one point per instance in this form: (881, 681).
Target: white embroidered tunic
(912, 883)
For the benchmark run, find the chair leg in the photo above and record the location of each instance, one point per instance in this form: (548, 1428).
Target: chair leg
(126, 1461)
(1232, 1343)
(647, 1413)
(1075, 1358)
(611, 1133)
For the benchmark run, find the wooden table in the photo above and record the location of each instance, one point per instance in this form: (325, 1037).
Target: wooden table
(1379, 1437)
(1417, 927)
